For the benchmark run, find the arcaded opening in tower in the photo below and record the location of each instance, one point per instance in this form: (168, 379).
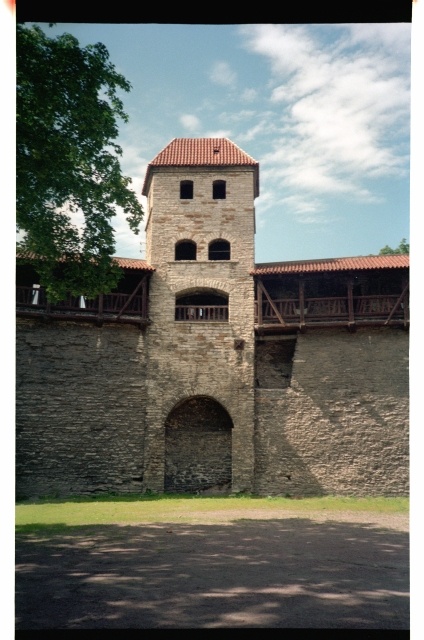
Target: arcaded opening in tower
(219, 250)
(185, 250)
(203, 305)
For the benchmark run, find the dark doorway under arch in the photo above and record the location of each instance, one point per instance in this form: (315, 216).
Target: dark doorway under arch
(198, 443)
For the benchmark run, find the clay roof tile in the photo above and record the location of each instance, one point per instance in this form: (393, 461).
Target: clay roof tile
(333, 264)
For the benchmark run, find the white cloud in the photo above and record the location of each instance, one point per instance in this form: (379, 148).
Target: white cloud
(248, 95)
(259, 129)
(303, 206)
(287, 47)
(221, 73)
(238, 116)
(218, 133)
(306, 209)
(394, 36)
(190, 122)
(340, 100)
(128, 244)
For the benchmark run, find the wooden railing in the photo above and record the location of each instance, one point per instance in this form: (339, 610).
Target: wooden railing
(315, 310)
(117, 306)
(201, 313)
(32, 300)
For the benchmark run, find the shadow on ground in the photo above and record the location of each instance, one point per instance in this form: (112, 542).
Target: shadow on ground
(282, 573)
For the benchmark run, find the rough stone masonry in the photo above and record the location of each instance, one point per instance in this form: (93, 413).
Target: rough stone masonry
(193, 406)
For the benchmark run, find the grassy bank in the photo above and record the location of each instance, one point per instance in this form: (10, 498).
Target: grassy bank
(133, 509)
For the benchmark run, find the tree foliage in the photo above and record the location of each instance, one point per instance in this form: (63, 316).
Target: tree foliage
(401, 249)
(68, 105)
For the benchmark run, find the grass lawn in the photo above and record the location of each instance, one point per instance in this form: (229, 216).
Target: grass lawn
(134, 509)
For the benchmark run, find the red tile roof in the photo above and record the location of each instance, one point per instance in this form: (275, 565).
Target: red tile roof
(200, 152)
(133, 263)
(124, 263)
(333, 264)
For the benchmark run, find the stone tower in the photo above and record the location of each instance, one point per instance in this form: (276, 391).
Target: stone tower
(200, 240)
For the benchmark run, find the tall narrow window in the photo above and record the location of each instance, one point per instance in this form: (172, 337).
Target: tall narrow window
(219, 250)
(219, 190)
(185, 250)
(186, 189)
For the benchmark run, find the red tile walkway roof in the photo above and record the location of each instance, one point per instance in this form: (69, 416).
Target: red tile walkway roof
(124, 263)
(200, 152)
(333, 264)
(134, 263)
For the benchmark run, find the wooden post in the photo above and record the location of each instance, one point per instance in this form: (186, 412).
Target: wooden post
(144, 300)
(401, 300)
(302, 300)
(271, 302)
(350, 302)
(100, 309)
(132, 296)
(259, 303)
(406, 304)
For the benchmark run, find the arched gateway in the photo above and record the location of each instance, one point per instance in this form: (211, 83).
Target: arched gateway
(198, 443)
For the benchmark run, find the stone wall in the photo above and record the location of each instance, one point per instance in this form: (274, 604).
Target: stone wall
(334, 420)
(274, 361)
(342, 425)
(80, 408)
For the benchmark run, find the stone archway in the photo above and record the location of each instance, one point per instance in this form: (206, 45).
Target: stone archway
(198, 443)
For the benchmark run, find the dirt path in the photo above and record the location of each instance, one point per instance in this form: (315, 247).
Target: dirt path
(395, 521)
(300, 570)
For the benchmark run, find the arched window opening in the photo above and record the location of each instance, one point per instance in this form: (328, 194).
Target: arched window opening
(186, 189)
(201, 306)
(219, 250)
(219, 190)
(185, 250)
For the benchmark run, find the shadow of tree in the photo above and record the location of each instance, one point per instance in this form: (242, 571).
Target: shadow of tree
(281, 573)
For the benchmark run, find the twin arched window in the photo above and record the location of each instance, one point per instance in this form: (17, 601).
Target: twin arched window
(219, 190)
(218, 250)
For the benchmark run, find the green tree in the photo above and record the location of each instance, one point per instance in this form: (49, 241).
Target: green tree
(68, 105)
(401, 249)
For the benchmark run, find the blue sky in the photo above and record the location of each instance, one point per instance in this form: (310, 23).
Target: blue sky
(323, 108)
